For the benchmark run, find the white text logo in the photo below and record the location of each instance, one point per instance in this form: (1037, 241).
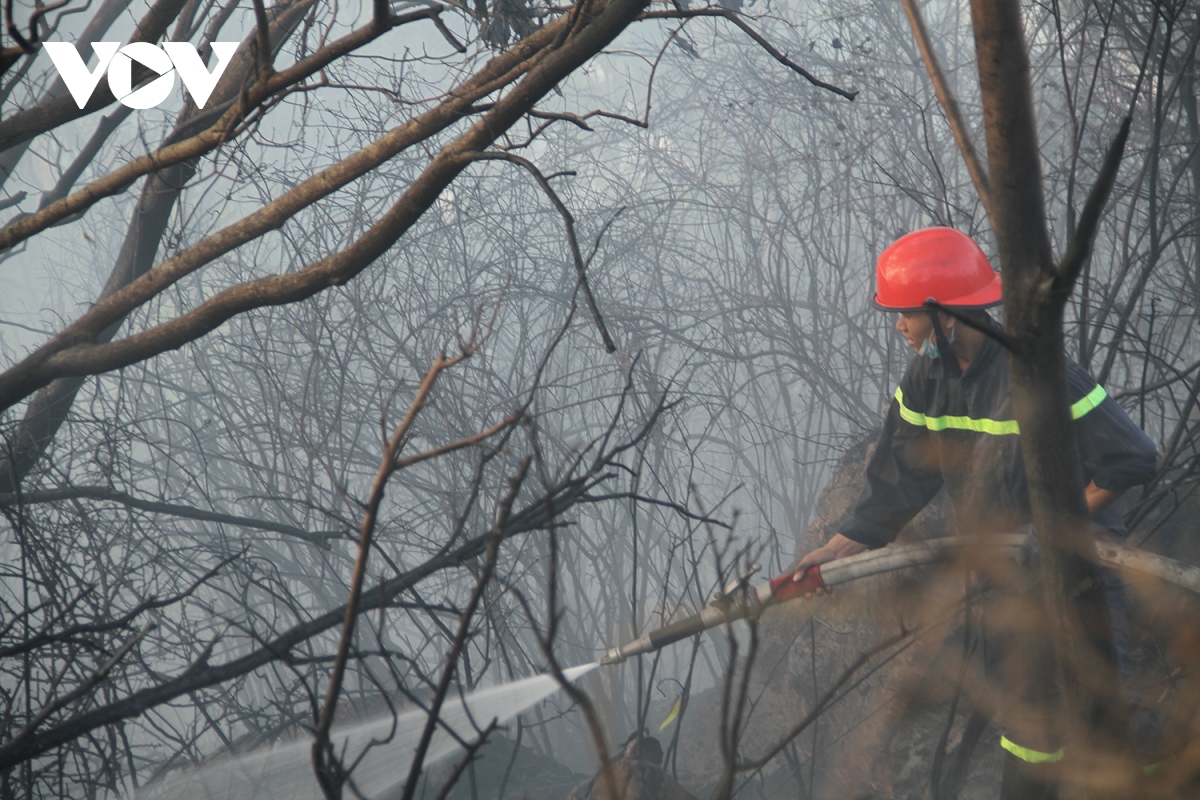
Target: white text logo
(118, 61)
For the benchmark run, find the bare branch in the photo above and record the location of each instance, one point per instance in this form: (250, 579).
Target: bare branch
(1080, 247)
(459, 445)
(51, 360)
(576, 254)
(608, 780)
(447, 35)
(320, 538)
(835, 693)
(81, 690)
(330, 772)
(464, 762)
(654, 501)
(264, 54)
(24, 45)
(226, 127)
(47, 636)
(949, 105)
(737, 20)
(58, 110)
(536, 515)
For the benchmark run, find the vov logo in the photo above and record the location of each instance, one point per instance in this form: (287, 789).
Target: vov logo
(118, 61)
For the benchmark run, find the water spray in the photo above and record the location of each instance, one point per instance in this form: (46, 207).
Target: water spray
(381, 749)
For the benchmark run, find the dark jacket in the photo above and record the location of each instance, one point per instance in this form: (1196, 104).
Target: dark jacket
(960, 433)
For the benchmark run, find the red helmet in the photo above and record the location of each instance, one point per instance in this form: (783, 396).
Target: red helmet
(935, 262)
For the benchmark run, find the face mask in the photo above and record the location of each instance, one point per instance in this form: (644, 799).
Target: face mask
(929, 347)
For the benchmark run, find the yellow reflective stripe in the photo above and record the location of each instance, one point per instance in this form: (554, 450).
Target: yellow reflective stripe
(993, 427)
(1030, 756)
(906, 413)
(1089, 401)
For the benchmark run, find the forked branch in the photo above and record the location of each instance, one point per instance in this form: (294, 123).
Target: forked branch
(1089, 219)
(576, 254)
(330, 773)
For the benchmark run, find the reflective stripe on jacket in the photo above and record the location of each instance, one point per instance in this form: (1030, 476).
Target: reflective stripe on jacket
(960, 433)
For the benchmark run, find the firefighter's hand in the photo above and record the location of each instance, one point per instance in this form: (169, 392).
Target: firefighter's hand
(837, 547)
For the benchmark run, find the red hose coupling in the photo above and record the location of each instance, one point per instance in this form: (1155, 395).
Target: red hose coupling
(786, 587)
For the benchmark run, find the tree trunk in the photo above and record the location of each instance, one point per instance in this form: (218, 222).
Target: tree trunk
(1034, 300)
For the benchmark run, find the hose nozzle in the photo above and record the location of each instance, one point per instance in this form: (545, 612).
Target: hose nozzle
(736, 601)
(615, 655)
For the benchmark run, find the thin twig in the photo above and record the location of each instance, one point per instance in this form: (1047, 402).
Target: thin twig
(280, 648)
(762, 42)
(459, 445)
(572, 240)
(24, 46)
(149, 604)
(103, 493)
(608, 780)
(85, 687)
(826, 700)
(446, 34)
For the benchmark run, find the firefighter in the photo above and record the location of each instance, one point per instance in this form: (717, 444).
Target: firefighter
(950, 424)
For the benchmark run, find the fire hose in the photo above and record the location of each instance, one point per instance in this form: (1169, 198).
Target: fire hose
(740, 600)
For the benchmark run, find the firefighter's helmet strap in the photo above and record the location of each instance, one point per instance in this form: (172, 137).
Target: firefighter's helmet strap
(949, 360)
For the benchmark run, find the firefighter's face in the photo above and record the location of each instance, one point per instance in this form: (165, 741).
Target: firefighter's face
(916, 327)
